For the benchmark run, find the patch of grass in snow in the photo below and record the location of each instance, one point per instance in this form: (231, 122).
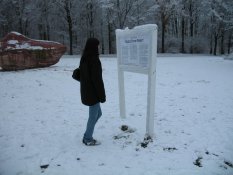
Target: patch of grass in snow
(198, 162)
(228, 163)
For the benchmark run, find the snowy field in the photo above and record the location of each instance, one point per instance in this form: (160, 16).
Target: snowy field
(42, 121)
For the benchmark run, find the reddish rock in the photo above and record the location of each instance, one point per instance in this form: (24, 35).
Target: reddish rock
(17, 52)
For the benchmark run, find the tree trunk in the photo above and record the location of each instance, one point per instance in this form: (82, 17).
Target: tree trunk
(182, 35)
(102, 37)
(191, 26)
(215, 43)
(163, 20)
(90, 19)
(44, 36)
(70, 26)
(176, 28)
(211, 44)
(40, 31)
(71, 38)
(109, 39)
(138, 15)
(48, 31)
(222, 51)
(163, 38)
(229, 43)
(21, 26)
(26, 28)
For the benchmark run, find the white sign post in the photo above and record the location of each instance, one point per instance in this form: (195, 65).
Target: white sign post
(137, 52)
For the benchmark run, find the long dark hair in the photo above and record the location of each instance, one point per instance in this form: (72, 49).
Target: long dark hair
(91, 49)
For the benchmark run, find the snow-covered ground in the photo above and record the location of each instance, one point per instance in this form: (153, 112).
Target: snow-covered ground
(42, 121)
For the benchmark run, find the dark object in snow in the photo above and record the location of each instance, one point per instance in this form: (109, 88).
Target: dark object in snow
(124, 127)
(78, 158)
(120, 136)
(44, 166)
(146, 141)
(215, 155)
(144, 144)
(170, 149)
(148, 138)
(101, 164)
(228, 163)
(198, 162)
(22, 145)
(17, 52)
(58, 165)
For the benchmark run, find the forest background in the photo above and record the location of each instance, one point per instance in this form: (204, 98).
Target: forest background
(185, 26)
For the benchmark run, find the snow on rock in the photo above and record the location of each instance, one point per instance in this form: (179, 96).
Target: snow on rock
(18, 52)
(15, 45)
(12, 41)
(16, 33)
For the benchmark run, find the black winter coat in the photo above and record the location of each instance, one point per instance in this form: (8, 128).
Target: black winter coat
(91, 81)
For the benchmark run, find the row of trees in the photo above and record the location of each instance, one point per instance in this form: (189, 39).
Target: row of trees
(186, 26)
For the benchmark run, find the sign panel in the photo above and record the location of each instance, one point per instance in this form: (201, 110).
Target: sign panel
(135, 50)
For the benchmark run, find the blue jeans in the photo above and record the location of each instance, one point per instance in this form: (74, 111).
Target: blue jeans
(94, 115)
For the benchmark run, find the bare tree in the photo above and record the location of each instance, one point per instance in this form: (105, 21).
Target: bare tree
(164, 11)
(121, 14)
(193, 26)
(68, 8)
(14, 15)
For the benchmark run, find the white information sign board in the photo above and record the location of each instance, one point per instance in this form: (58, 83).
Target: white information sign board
(137, 52)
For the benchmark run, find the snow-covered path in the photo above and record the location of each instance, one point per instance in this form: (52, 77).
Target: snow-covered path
(42, 121)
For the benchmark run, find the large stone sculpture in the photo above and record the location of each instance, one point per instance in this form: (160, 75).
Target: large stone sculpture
(17, 52)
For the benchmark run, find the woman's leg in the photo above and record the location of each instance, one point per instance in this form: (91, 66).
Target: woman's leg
(94, 114)
(99, 113)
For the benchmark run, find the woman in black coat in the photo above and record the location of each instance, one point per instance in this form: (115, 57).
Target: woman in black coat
(91, 87)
